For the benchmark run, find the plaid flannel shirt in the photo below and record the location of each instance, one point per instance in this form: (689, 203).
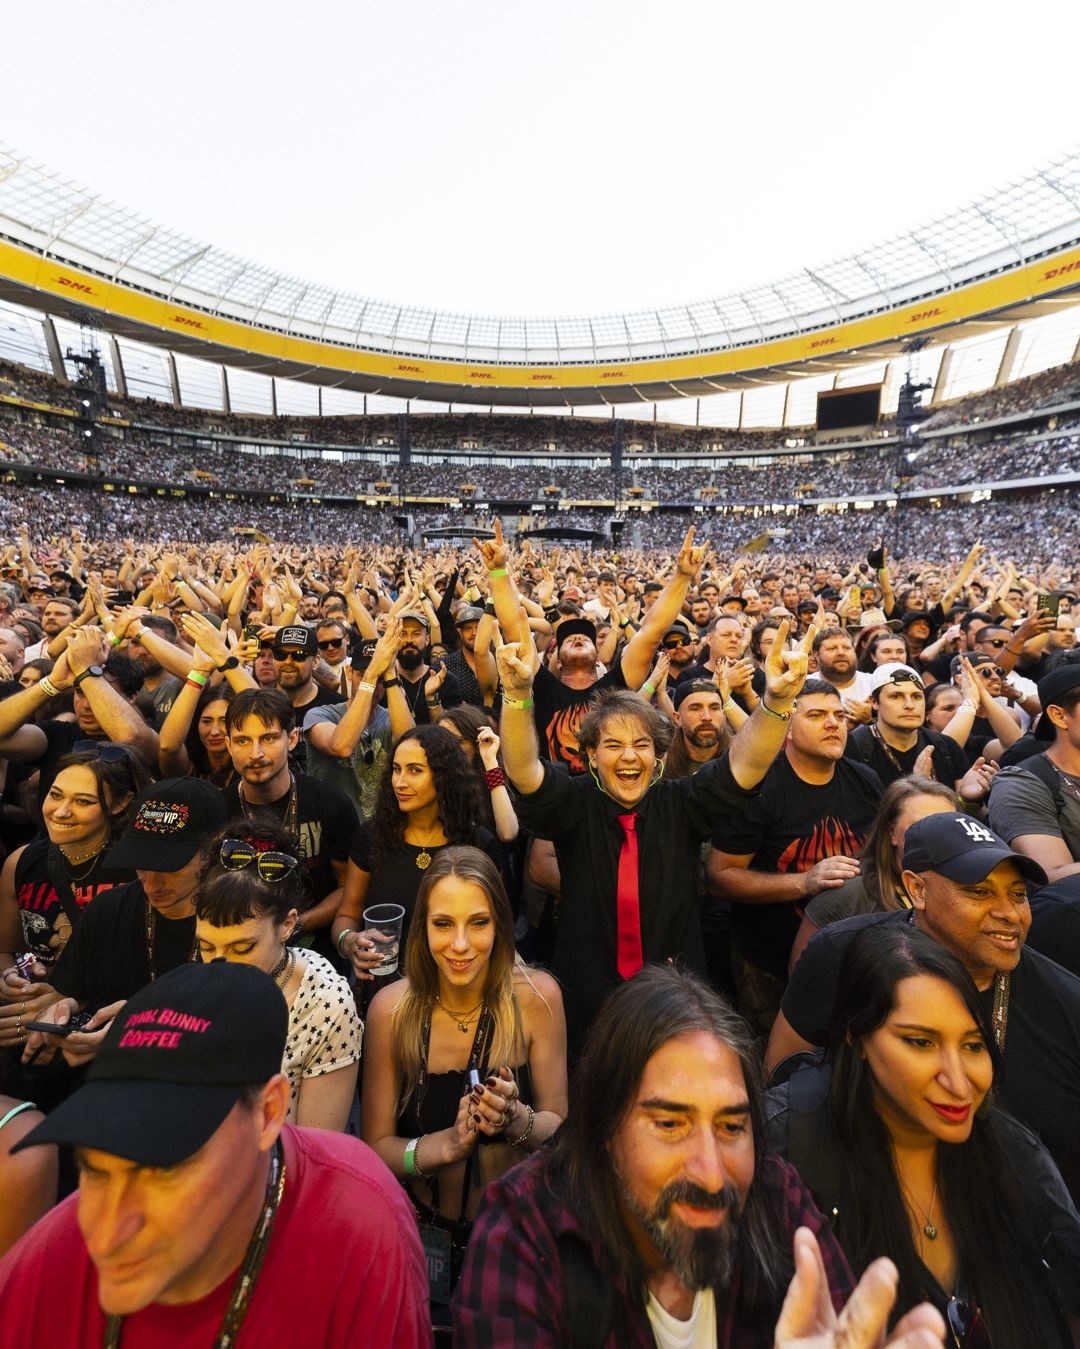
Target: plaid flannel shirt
(511, 1290)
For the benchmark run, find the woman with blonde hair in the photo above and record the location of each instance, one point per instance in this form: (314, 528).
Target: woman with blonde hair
(466, 1063)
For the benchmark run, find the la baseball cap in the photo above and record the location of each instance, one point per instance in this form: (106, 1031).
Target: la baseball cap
(174, 1062)
(171, 821)
(961, 848)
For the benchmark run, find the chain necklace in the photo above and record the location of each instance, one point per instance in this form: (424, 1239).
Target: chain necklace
(288, 958)
(463, 1019)
(929, 1228)
(91, 858)
(244, 1287)
(151, 941)
(423, 859)
(1000, 1015)
(289, 822)
(1066, 781)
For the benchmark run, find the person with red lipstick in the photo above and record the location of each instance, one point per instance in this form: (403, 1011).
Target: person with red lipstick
(897, 1138)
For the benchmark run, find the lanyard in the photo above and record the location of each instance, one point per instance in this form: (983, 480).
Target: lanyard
(151, 942)
(249, 1270)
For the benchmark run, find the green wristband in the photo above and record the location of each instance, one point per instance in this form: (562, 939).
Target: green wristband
(518, 704)
(499, 571)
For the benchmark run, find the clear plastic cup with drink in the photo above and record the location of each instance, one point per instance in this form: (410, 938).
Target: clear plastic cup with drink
(382, 925)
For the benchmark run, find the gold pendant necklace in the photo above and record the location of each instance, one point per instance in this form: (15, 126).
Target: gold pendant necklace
(463, 1019)
(423, 857)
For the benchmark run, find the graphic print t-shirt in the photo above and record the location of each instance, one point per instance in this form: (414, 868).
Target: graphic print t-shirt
(559, 711)
(789, 827)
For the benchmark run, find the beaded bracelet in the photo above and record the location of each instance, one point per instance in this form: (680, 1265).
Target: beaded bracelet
(494, 777)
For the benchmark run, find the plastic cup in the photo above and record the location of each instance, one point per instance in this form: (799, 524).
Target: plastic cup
(382, 925)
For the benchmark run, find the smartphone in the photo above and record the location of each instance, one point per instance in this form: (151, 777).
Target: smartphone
(251, 632)
(77, 1022)
(1050, 602)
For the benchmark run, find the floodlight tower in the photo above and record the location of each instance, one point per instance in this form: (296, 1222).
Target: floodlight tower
(909, 413)
(93, 395)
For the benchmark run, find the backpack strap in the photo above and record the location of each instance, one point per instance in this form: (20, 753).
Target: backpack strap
(812, 1148)
(1039, 766)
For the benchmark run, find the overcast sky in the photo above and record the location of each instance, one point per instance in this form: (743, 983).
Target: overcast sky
(539, 159)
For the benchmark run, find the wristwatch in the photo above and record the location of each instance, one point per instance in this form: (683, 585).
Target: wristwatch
(389, 683)
(91, 672)
(229, 663)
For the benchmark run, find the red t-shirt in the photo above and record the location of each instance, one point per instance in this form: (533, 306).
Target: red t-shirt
(345, 1267)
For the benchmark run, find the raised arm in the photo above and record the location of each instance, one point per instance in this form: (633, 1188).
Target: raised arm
(640, 650)
(761, 738)
(521, 754)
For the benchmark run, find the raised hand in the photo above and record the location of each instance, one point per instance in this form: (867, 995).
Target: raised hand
(785, 668)
(690, 559)
(494, 552)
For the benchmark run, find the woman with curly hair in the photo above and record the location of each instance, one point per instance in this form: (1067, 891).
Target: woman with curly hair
(428, 800)
(471, 729)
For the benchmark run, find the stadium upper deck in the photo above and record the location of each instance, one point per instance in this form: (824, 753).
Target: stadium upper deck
(1014, 255)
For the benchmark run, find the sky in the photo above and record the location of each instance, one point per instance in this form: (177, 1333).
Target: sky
(562, 158)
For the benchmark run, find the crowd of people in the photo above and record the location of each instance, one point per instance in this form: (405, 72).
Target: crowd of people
(532, 944)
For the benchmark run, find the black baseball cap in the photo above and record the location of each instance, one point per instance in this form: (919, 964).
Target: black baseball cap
(174, 1062)
(961, 848)
(915, 616)
(362, 653)
(689, 686)
(172, 819)
(1052, 687)
(297, 637)
(569, 626)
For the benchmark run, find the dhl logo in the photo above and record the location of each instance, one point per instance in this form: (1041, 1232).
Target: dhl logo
(188, 323)
(1061, 271)
(613, 374)
(925, 314)
(823, 342)
(548, 378)
(80, 286)
(409, 369)
(481, 374)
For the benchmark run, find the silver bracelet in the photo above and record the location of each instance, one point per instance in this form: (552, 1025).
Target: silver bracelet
(341, 935)
(517, 1142)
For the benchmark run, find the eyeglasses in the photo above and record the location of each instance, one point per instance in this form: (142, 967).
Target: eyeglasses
(966, 1325)
(104, 750)
(336, 641)
(670, 644)
(297, 656)
(238, 853)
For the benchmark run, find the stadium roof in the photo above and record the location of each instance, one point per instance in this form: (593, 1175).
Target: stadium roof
(1014, 254)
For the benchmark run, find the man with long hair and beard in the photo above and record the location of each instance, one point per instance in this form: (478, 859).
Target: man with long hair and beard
(656, 1219)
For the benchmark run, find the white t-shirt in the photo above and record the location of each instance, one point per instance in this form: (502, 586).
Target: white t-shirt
(699, 1332)
(858, 691)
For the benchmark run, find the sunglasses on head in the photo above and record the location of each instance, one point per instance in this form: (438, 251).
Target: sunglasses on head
(238, 853)
(336, 641)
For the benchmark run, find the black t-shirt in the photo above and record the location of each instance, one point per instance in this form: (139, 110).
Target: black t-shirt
(459, 669)
(107, 959)
(1040, 1083)
(1055, 923)
(559, 710)
(323, 698)
(326, 822)
(950, 761)
(790, 826)
(52, 896)
(449, 695)
(397, 879)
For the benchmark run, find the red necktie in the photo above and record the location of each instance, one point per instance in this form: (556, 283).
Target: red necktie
(628, 945)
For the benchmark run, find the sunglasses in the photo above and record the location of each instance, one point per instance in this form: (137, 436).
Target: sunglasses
(966, 1326)
(298, 656)
(675, 642)
(996, 641)
(238, 853)
(989, 671)
(337, 641)
(104, 750)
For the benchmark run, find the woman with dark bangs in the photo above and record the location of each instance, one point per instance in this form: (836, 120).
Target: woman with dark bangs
(899, 1141)
(428, 800)
(252, 889)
